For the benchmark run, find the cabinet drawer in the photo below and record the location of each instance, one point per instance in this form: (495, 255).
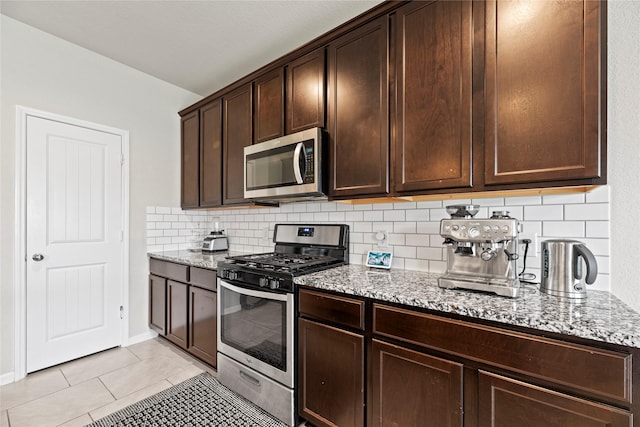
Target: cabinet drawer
(169, 270)
(333, 309)
(589, 369)
(504, 401)
(203, 278)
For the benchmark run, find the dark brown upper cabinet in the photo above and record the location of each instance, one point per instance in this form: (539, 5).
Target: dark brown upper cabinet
(268, 119)
(237, 134)
(211, 154)
(433, 75)
(306, 92)
(545, 91)
(190, 138)
(358, 112)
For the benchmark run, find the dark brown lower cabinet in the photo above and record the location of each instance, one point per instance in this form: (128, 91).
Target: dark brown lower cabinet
(157, 304)
(331, 375)
(414, 389)
(177, 313)
(504, 402)
(202, 324)
(184, 309)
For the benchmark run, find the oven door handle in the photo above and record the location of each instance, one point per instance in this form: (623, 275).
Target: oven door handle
(252, 293)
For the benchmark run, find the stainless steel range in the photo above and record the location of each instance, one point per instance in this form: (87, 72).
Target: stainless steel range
(257, 312)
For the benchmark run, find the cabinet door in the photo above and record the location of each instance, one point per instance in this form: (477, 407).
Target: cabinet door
(414, 389)
(177, 313)
(504, 402)
(306, 92)
(268, 119)
(157, 304)
(544, 93)
(237, 134)
(211, 154)
(330, 376)
(189, 135)
(434, 96)
(203, 325)
(358, 112)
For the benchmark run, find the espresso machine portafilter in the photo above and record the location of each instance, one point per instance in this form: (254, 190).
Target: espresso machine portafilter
(481, 253)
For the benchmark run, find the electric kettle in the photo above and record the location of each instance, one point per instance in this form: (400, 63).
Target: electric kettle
(563, 264)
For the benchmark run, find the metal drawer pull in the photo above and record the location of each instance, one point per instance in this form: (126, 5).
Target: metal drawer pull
(249, 378)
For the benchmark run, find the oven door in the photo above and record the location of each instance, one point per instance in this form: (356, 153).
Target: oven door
(256, 329)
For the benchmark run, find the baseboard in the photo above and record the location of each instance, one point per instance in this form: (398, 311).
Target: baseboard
(140, 338)
(7, 378)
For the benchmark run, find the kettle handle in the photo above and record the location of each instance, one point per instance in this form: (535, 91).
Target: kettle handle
(590, 259)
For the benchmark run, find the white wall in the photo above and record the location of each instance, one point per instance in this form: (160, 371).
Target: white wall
(47, 73)
(624, 148)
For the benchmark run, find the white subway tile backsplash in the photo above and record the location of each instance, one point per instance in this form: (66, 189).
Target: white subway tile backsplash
(405, 251)
(417, 239)
(488, 202)
(428, 204)
(544, 213)
(362, 227)
(598, 229)
(394, 215)
(353, 216)
(564, 228)
(599, 195)
(587, 212)
(408, 227)
(412, 227)
(565, 199)
(525, 200)
(373, 216)
(417, 215)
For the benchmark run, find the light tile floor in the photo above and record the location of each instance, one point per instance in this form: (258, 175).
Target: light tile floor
(84, 390)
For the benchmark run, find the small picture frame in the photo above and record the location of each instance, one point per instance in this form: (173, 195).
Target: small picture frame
(379, 259)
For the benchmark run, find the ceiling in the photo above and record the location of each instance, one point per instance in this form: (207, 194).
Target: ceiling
(200, 46)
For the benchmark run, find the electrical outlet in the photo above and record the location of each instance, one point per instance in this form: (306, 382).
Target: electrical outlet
(381, 237)
(534, 245)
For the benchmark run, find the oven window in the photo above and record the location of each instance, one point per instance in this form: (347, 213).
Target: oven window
(255, 326)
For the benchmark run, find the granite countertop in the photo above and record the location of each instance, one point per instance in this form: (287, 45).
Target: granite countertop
(600, 317)
(194, 258)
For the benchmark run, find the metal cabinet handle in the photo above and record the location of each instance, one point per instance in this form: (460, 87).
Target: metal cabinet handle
(37, 257)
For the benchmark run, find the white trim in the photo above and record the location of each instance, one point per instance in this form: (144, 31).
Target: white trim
(7, 378)
(140, 338)
(20, 263)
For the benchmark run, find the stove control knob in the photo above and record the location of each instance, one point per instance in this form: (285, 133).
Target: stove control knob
(263, 282)
(274, 283)
(232, 275)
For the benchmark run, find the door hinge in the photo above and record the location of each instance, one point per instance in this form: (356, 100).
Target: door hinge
(121, 159)
(121, 312)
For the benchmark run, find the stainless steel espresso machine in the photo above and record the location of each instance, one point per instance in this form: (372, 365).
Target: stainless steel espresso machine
(482, 252)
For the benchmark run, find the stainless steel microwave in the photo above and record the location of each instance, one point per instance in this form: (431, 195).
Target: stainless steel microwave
(285, 169)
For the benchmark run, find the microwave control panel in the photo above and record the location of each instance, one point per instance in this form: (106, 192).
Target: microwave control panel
(308, 161)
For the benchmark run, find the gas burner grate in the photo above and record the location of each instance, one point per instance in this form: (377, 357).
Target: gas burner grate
(280, 261)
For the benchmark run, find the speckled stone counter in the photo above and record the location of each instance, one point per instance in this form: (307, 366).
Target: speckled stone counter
(601, 316)
(197, 259)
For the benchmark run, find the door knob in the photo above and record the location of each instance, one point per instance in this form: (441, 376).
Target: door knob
(37, 257)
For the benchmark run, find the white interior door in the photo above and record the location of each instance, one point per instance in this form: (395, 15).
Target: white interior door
(74, 242)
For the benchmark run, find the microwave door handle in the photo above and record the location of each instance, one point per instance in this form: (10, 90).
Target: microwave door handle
(296, 162)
